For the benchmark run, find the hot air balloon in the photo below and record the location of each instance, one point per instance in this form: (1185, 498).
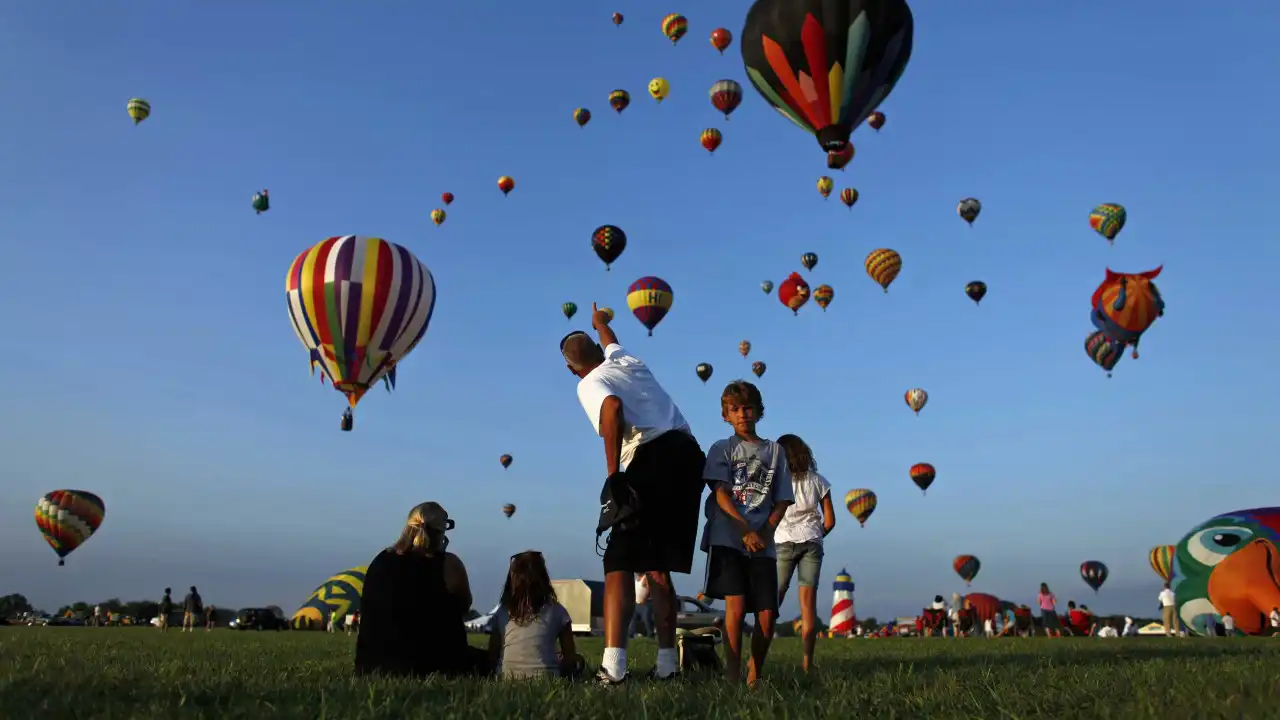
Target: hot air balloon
(744, 348)
(582, 116)
(849, 196)
(809, 260)
(923, 474)
(139, 110)
(506, 184)
(1103, 351)
(67, 518)
(876, 120)
(359, 305)
(607, 311)
(608, 241)
(619, 100)
(794, 292)
(261, 201)
(659, 88)
(758, 368)
(650, 299)
(968, 209)
(916, 399)
(976, 290)
(720, 39)
(767, 286)
(726, 96)
(508, 509)
(674, 26)
(838, 159)
(883, 266)
(823, 295)
(967, 567)
(826, 64)
(1161, 559)
(825, 184)
(704, 371)
(505, 460)
(447, 198)
(711, 138)
(1125, 306)
(569, 309)
(617, 18)
(1093, 573)
(1108, 220)
(437, 216)
(861, 503)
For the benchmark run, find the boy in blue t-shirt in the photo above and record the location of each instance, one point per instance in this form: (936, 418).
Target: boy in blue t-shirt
(751, 489)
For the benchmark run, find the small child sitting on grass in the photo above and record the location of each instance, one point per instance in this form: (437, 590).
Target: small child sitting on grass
(529, 624)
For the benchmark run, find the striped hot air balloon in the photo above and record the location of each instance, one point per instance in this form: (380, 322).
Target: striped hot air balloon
(823, 295)
(1161, 559)
(861, 503)
(674, 26)
(923, 474)
(139, 110)
(359, 305)
(67, 518)
(650, 299)
(1103, 351)
(711, 139)
(916, 399)
(883, 266)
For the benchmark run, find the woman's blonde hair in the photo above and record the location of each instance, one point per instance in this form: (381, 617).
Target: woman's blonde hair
(423, 531)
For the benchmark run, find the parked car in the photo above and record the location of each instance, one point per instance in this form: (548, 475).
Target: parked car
(694, 613)
(258, 619)
(483, 623)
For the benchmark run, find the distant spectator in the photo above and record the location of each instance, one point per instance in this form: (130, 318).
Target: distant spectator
(208, 617)
(1048, 611)
(642, 619)
(1228, 624)
(415, 597)
(191, 609)
(1275, 621)
(349, 622)
(334, 621)
(1108, 631)
(166, 607)
(1130, 628)
(1169, 611)
(97, 616)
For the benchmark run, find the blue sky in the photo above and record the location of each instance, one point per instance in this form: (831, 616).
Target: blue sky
(150, 357)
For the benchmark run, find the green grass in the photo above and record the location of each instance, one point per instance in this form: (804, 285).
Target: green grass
(54, 673)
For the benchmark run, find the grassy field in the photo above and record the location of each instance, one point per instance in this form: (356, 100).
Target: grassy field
(54, 673)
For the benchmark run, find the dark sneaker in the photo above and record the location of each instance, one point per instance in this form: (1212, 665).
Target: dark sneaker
(653, 675)
(604, 679)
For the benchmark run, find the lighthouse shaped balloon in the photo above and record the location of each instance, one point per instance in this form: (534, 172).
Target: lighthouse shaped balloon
(843, 616)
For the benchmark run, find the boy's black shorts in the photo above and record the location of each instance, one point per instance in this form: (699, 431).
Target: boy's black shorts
(731, 572)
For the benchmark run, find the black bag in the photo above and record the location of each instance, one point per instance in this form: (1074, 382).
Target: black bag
(619, 506)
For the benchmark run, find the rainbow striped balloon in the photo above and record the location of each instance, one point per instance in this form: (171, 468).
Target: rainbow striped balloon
(67, 518)
(359, 305)
(861, 503)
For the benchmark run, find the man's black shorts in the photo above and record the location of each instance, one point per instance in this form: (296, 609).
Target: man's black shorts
(666, 473)
(732, 572)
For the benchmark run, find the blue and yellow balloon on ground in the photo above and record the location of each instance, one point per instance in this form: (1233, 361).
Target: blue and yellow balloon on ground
(649, 299)
(338, 595)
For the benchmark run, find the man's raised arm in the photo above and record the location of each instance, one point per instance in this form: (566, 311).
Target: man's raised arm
(600, 321)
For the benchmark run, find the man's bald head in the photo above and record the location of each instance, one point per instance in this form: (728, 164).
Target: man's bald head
(581, 353)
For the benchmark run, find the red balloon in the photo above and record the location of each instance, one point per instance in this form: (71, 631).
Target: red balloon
(793, 292)
(447, 198)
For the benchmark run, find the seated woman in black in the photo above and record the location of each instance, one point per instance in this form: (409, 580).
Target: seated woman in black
(412, 608)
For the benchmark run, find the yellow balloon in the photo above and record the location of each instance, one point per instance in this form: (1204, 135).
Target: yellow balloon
(659, 88)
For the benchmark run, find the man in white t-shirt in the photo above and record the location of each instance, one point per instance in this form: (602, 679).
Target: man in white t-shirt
(1107, 631)
(646, 436)
(1228, 625)
(1169, 611)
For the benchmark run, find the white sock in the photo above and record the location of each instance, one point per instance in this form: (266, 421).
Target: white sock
(668, 662)
(615, 662)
